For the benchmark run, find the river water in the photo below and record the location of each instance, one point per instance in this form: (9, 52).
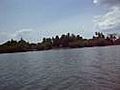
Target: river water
(96, 68)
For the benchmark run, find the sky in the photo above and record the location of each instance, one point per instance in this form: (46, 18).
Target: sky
(35, 19)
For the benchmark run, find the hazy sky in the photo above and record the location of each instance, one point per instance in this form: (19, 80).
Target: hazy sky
(35, 19)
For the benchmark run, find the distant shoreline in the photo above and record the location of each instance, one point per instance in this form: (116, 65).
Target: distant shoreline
(63, 42)
(54, 49)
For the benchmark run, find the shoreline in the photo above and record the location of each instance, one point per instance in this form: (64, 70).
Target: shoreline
(65, 41)
(54, 49)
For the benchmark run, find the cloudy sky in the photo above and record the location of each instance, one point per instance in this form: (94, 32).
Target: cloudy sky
(35, 19)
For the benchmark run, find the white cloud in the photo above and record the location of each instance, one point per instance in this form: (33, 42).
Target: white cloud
(110, 21)
(27, 34)
(21, 33)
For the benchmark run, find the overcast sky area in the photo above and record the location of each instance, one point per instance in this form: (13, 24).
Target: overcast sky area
(35, 19)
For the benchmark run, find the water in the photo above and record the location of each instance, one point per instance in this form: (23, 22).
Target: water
(95, 68)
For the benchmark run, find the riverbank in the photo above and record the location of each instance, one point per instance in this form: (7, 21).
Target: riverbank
(55, 49)
(62, 42)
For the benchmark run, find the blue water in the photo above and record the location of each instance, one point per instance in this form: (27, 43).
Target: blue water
(96, 68)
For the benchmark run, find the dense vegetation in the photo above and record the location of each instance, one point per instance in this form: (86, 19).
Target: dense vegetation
(64, 41)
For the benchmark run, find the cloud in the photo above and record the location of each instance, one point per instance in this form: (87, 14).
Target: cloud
(107, 2)
(21, 33)
(110, 21)
(27, 34)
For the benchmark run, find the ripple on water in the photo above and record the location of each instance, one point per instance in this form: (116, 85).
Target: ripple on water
(72, 69)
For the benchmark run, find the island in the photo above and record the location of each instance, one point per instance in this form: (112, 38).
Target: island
(64, 41)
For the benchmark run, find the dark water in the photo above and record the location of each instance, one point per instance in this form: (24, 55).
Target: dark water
(95, 68)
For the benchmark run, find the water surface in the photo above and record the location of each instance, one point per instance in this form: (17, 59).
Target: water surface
(95, 68)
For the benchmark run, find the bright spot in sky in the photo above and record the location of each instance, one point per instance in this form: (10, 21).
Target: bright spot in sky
(95, 1)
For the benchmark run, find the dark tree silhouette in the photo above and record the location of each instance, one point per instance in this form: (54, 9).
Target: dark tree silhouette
(64, 41)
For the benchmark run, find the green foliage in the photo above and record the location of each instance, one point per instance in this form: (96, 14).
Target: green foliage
(63, 41)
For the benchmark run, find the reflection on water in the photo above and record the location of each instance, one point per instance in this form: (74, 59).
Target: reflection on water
(95, 68)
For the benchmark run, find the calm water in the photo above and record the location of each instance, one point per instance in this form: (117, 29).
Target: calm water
(95, 68)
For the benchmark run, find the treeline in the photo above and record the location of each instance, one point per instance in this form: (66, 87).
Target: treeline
(64, 41)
